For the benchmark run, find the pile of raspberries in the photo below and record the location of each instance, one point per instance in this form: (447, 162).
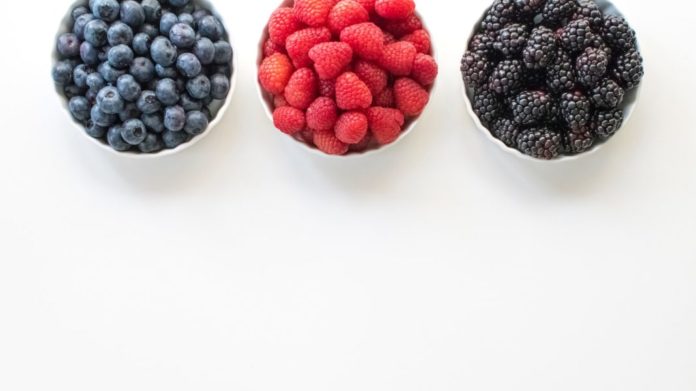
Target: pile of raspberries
(346, 76)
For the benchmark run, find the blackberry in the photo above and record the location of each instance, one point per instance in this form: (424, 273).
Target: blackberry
(501, 13)
(555, 11)
(577, 35)
(530, 107)
(511, 40)
(475, 69)
(506, 77)
(588, 9)
(578, 142)
(560, 75)
(598, 43)
(482, 43)
(608, 94)
(575, 108)
(591, 66)
(487, 106)
(540, 49)
(606, 123)
(506, 130)
(540, 143)
(554, 116)
(618, 34)
(628, 69)
(529, 6)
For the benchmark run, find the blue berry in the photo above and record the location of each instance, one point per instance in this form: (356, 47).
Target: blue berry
(106, 9)
(120, 56)
(179, 3)
(134, 131)
(130, 111)
(200, 14)
(219, 86)
(94, 130)
(190, 104)
(79, 11)
(182, 35)
(96, 32)
(210, 27)
(204, 49)
(188, 65)
(196, 123)
(101, 118)
(132, 13)
(150, 30)
(115, 140)
(151, 144)
(79, 108)
(186, 19)
(165, 72)
(95, 81)
(71, 91)
(119, 34)
(223, 52)
(142, 69)
(166, 91)
(167, 21)
(148, 102)
(128, 87)
(68, 45)
(79, 25)
(109, 100)
(109, 73)
(141, 44)
(153, 122)
(89, 54)
(199, 87)
(62, 72)
(174, 139)
(163, 52)
(152, 9)
(174, 118)
(80, 74)
(221, 69)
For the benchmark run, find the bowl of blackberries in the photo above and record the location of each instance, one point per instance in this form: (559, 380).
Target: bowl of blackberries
(144, 78)
(552, 79)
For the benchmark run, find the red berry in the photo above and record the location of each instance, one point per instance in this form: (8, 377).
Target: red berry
(385, 124)
(424, 69)
(395, 9)
(302, 88)
(366, 39)
(279, 101)
(351, 127)
(375, 77)
(331, 58)
(270, 48)
(389, 38)
(347, 13)
(398, 58)
(289, 120)
(322, 114)
(384, 98)
(410, 97)
(352, 93)
(281, 24)
(301, 42)
(402, 27)
(313, 12)
(369, 5)
(327, 88)
(420, 39)
(275, 72)
(327, 142)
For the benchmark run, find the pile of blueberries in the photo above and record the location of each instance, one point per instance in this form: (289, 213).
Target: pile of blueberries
(145, 75)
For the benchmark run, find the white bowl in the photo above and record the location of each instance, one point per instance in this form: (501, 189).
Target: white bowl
(267, 102)
(628, 104)
(220, 106)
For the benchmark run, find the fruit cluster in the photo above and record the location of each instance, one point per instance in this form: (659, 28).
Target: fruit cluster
(549, 76)
(144, 75)
(345, 76)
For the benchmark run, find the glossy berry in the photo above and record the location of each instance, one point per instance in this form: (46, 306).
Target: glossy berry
(346, 13)
(199, 87)
(540, 143)
(395, 9)
(133, 132)
(313, 12)
(366, 40)
(282, 24)
(174, 118)
(189, 65)
(352, 93)
(410, 97)
(301, 42)
(385, 124)
(351, 127)
(110, 100)
(219, 86)
(327, 142)
(302, 88)
(373, 76)
(115, 139)
(196, 123)
(322, 114)
(275, 72)
(606, 123)
(331, 58)
(119, 33)
(397, 58)
(289, 120)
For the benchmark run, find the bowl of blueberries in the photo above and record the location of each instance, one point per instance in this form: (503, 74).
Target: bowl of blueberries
(144, 78)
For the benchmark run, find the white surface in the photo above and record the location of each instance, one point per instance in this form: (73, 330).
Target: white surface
(245, 263)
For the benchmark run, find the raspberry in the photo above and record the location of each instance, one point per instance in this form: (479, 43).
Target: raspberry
(385, 124)
(351, 127)
(301, 42)
(281, 24)
(279, 101)
(270, 48)
(327, 88)
(384, 98)
(352, 93)
(302, 88)
(420, 39)
(398, 58)
(289, 120)
(399, 28)
(322, 114)
(410, 97)
(313, 12)
(424, 69)
(327, 142)
(366, 39)
(275, 72)
(373, 76)
(331, 58)
(347, 13)
(389, 38)
(369, 5)
(395, 9)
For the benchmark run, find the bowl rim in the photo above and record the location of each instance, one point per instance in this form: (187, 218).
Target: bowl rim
(266, 102)
(67, 19)
(628, 105)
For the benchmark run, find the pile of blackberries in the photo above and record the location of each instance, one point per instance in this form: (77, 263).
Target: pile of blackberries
(548, 77)
(146, 75)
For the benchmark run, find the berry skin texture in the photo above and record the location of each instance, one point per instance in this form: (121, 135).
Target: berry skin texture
(577, 35)
(347, 13)
(608, 94)
(385, 124)
(560, 75)
(351, 127)
(606, 123)
(301, 42)
(540, 49)
(411, 98)
(352, 93)
(331, 59)
(313, 12)
(511, 40)
(540, 143)
(506, 77)
(591, 66)
(398, 58)
(556, 10)
(530, 107)
(575, 108)
(578, 142)
(500, 14)
(588, 9)
(328, 143)
(282, 24)
(289, 120)
(275, 72)
(322, 114)
(366, 40)
(400, 28)
(424, 70)
(373, 76)
(618, 34)
(628, 70)
(506, 130)
(270, 48)
(302, 88)
(486, 106)
(395, 9)
(420, 39)
(475, 69)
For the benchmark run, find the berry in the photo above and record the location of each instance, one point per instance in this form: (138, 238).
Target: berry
(424, 70)
(269, 48)
(529, 6)
(79, 108)
(204, 49)
(301, 42)
(506, 130)
(172, 140)
(282, 24)
(607, 94)
(366, 40)
(373, 76)
(500, 14)
(555, 11)
(628, 69)
(211, 27)
(540, 49)
(275, 72)
(174, 118)
(606, 123)
(576, 142)
(506, 77)
(511, 40)
(328, 143)
(167, 21)
(115, 140)
(588, 9)
(133, 131)
(560, 75)
(289, 120)
(188, 65)
(400, 28)
(530, 107)
(410, 97)
(302, 88)
(141, 44)
(279, 101)
(575, 108)
(109, 100)
(486, 106)
(95, 131)
(420, 39)
(196, 123)
(151, 144)
(398, 58)
(152, 9)
(128, 87)
(540, 143)
(577, 35)
(618, 34)
(101, 118)
(80, 23)
(219, 86)
(89, 54)
(475, 69)
(313, 12)
(223, 53)
(119, 34)
(591, 66)
(163, 52)
(395, 9)
(142, 69)
(385, 124)
(153, 122)
(63, 72)
(322, 114)
(346, 13)
(148, 102)
(352, 93)
(95, 32)
(351, 127)
(132, 13)
(68, 45)
(331, 58)
(182, 36)
(107, 10)
(482, 43)
(167, 92)
(120, 56)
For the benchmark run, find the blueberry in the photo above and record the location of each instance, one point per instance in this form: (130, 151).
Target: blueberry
(101, 118)
(133, 131)
(96, 32)
(174, 118)
(80, 75)
(204, 49)
(186, 19)
(221, 69)
(89, 54)
(163, 52)
(94, 130)
(128, 87)
(79, 108)
(132, 13)
(223, 52)
(130, 111)
(79, 11)
(210, 27)
(174, 139)
(188, 103)
(109, 73)
(178, 3)
(182, 35)
(148, 103)
(219, 86)
(70, 91)
(106, 9)
(120, 56)
(68, 45)
(165, 72)
(196, 123)
(153, 122)
(95, 81)
(200, 14)
(198, 87)
(80, 23)
(188, 65)
(114, 138)
(119, 34)
(62, 72)
(150, 30)
(109, 100)
(151, 144)
(142, 69)
(141, 44)
(91, 95)
(166, 92)
(152, 9)
(167, 21)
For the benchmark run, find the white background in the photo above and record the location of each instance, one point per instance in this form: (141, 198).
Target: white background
(246, 263)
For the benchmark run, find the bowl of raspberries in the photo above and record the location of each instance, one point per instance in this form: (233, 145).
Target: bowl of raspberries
(552, 79)
(345, 77)
(144, 78)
